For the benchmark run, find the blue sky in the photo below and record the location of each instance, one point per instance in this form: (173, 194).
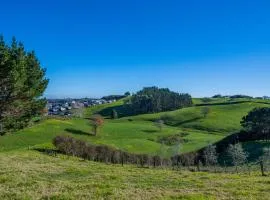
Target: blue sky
(93, 48)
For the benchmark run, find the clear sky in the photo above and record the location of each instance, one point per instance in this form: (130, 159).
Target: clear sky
(93, 48)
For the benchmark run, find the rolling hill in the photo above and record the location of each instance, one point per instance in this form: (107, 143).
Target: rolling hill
(28, 174)
(138, 134)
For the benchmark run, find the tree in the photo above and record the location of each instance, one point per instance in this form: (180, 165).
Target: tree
(264, 159)
(114, 114)
(154, 99)
(162, 152)
(258, 121)
(175, 152)
(266, 154)
(127, 94)
(176, 149)
(217, 96)
(159, 124)
(210, 155)
(22, 83)
(96, 121)
(205, 111)
(237, 155)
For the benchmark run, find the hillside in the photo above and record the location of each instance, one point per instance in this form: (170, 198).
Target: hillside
(137, 137)
(26, 173)
(33, 175)
(138, 134)
(224, 117)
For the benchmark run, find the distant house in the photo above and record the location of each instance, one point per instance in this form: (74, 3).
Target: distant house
(266, 97)
(111, 101)
(62, 108)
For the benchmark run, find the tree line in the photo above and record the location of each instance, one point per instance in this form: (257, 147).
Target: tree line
(209, 159)
(102, 153)
(154, 99)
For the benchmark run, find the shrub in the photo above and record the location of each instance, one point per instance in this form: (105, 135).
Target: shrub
(237, 155)
(96, 121)
(171, 140)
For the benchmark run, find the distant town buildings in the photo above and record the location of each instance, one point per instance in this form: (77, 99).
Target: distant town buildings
(65, 107)
(266, 97)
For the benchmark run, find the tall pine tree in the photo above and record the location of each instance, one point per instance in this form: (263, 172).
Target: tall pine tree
(22, 83)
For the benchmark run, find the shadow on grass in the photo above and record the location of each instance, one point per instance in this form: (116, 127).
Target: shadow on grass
(221, 103)
(188, 121)
(255, 149)
(122, 111)
(78, 132)
(50, 152)
(149, 131)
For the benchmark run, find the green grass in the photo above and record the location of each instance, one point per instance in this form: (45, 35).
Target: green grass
(136, 137)
(105, 108)
(223, 119)
(141, 137)
(138, 134)
(33, 175)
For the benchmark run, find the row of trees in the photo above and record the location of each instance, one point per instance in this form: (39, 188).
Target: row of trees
(102, 153)
(233, 96)
(154, 99)
(22, 83)
(237, 156)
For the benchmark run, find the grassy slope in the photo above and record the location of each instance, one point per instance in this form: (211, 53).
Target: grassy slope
(137, 137)
(225, 115)
(95, 109)
(33, 175)
(222, 119)
(137, 133)
(27, 174)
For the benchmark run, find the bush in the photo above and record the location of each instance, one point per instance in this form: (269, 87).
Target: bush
(171, 140)
(100, 153)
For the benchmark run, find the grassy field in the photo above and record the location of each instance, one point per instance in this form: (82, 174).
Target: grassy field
(138, 134)
(136, 137)
(32, 175)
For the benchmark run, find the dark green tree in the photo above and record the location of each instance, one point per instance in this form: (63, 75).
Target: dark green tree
(127, 94)
(154, 99)
(22, 83)
(258, 122)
